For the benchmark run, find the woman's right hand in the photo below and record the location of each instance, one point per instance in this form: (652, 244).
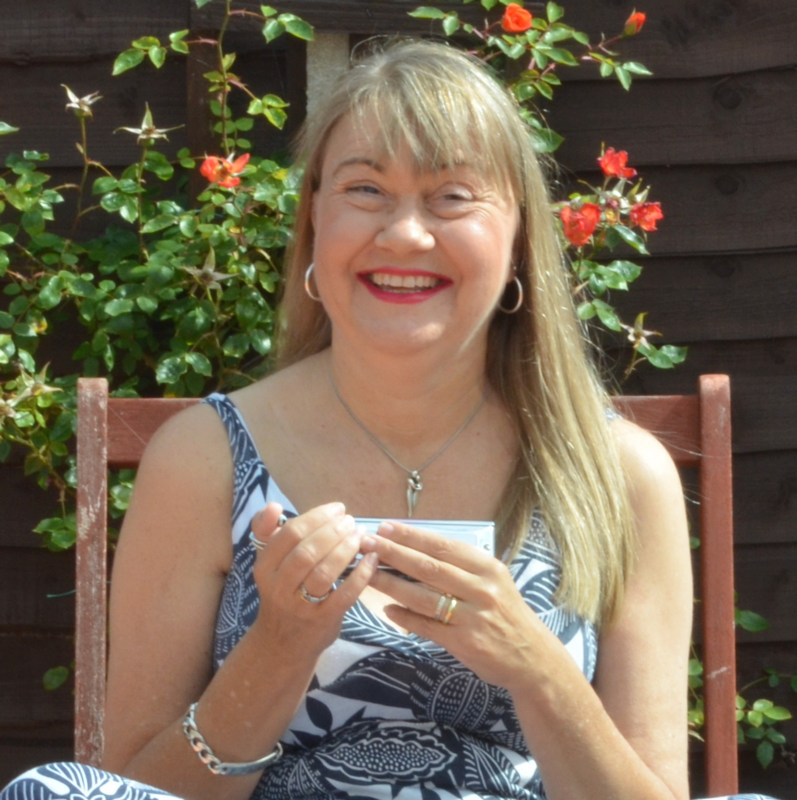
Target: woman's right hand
(303, 559)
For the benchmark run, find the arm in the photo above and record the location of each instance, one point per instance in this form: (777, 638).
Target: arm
(174, 553)
(624, 737)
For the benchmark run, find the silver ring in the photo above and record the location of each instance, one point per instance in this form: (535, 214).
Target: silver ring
(311, 598)
(444, 598)
(258, 545)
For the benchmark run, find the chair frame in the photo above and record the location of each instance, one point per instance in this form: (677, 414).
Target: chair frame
(696, 430)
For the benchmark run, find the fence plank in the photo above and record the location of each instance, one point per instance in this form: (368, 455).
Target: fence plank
(716, 299)
(674, 122)
(28, 576)
(84, 29)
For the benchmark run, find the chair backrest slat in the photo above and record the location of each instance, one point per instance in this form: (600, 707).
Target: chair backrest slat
(695, 429)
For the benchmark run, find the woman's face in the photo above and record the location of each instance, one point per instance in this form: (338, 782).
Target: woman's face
(406, 259)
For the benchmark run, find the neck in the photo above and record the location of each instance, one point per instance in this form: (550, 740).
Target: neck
(412, 404)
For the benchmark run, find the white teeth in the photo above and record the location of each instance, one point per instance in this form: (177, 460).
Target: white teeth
(403, 281)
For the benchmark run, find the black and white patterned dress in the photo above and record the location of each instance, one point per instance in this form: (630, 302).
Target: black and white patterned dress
(387, 715)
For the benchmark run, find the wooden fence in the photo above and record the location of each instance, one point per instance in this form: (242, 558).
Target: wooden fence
(715, 134)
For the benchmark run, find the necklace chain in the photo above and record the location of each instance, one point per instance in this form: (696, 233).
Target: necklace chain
(414, 483)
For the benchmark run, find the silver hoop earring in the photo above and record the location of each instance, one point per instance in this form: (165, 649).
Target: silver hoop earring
(307, 284)
(515, 308)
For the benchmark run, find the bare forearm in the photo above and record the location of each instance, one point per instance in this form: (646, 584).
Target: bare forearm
(241, 715)
(579, 750)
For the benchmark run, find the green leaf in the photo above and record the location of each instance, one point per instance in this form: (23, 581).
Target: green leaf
(50, 295)
(157, 55)
(170, 370)
(750, 621)
(755, 718)
(624, 76)
(268, 11)
(637, 69)
(188, 226)
(276, 116)
(586, 311)
(554, 12)
(451, 24)
(244, 124)
(147, 304)
(199, 363)
(427, 12)
(765, 752)
(127, 60)
(159, 223)
(261, 341)
(6, 319)
(488, 4)
(5, 129)
(777, 713)
(116, 307)
(104, 184)
(297, 27)
(236, 345)
(5, 238)
(146, 42)
(632, 238)
(793, 683)
(55, 678)
(607, 315)
(129, 210)
(562, 56)
(201, 3)
(272, 29)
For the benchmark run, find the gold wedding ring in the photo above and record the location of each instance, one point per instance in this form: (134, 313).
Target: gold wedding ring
(445, 608)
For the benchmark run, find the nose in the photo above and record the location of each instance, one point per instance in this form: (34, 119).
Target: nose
(406, 230)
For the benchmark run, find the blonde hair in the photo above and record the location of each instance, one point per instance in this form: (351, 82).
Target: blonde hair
(424, 96)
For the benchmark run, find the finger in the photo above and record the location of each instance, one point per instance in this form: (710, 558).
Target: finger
(438, 546)
(264, 523)
(282, 542)
(419, 566)
(416, 597)
(350, 590)
(323, 575)
(311, 550)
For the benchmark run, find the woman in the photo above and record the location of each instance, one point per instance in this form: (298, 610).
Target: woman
(431, 367)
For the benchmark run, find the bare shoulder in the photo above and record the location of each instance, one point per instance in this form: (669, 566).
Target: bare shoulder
(644, 458)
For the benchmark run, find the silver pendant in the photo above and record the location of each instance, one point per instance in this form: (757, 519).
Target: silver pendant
(414, 488)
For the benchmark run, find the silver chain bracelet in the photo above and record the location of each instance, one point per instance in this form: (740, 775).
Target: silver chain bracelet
(209, 758)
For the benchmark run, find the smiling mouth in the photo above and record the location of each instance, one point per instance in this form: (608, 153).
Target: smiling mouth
(403, 284)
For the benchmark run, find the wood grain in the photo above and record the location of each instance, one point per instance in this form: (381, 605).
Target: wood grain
(83, 29)
(23, 661)
(717, 299)
(733, 119)
(36, 589)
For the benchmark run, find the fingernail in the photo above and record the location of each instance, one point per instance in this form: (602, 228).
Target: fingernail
(346, 524)
(386, 529)
(372, 559)
(336, 508)
(368, 544)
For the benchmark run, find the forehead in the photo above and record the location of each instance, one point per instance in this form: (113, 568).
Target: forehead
(361, 139)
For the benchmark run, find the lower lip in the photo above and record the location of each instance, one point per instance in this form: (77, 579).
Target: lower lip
(402, 297)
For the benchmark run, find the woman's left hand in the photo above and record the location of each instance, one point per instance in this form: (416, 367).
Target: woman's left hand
(491, 630)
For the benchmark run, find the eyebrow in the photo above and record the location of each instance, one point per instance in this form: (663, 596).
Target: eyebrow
(368, 162)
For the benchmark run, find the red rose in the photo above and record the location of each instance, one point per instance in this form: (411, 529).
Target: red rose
(634, 24)
(646, 215)
(222, 171)
(580, 223)
(516, 19)
(614, 164)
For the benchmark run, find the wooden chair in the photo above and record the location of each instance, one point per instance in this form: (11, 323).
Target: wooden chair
(696, 429)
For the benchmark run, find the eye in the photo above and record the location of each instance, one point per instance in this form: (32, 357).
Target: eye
(364, 189)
